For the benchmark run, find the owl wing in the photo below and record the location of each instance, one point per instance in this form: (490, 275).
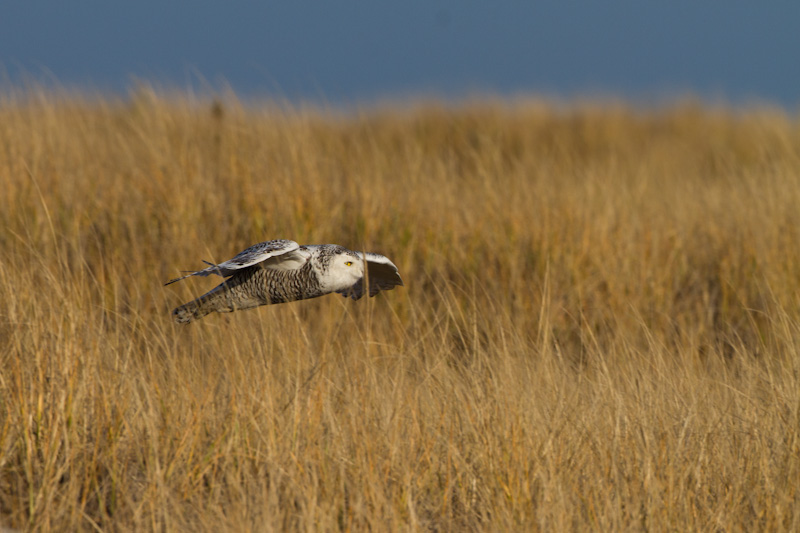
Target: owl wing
(279, 254)
(382, 275)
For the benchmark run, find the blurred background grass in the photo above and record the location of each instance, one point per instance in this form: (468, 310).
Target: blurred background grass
(599, 327)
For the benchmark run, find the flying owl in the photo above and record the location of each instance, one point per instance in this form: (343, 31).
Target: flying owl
(279, 271)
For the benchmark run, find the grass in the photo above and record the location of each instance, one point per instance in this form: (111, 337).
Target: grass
(600, 327)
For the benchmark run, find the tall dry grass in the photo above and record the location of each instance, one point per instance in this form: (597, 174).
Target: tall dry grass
(599, 330)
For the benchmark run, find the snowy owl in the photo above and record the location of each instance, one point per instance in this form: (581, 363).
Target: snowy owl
(279, 271)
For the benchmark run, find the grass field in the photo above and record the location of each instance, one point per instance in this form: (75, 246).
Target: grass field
(600, 328)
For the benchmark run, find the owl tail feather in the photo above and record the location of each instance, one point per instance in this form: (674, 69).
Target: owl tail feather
(189, 312)
(213, 300)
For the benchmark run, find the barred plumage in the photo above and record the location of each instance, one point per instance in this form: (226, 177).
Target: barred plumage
(282, 271)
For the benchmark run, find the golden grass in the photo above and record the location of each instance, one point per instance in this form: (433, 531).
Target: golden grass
(599, 330)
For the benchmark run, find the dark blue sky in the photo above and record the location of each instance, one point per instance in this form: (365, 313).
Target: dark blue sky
(357, 51)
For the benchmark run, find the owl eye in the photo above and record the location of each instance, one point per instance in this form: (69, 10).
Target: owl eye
(349, 263)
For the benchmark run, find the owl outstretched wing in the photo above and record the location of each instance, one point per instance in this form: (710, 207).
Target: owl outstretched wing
(279, 254)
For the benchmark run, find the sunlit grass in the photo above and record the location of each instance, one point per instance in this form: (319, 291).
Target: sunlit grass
(599, 328)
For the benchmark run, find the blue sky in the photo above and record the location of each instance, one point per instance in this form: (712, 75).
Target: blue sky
(356, 51)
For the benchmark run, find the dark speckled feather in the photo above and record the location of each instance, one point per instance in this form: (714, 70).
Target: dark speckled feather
(252, 287)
